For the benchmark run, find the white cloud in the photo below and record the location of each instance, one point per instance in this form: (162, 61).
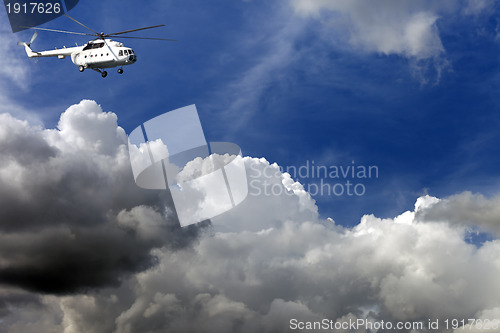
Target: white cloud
(87, 128)
(466, 209)
(245, 281)
(406, 28)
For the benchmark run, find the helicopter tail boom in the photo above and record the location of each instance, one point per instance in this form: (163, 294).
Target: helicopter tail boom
(29, 51)
(60, 53)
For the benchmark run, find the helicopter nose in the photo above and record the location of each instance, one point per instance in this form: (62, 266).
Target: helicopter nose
(132, 58)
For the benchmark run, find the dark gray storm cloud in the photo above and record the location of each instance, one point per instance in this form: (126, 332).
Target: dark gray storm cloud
(69, 205)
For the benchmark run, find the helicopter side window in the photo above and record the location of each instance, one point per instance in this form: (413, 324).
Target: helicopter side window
(126, 52)
(131, 51)
(120, 53)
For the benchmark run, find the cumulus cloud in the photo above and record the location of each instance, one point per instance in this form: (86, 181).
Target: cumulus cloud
(397, 269)
(483, 323)
(269, 260)
(466, 209)
(387, 269)
(71, 215)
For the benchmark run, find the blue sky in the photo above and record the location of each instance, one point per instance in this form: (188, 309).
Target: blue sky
(408, 86)
(294, 88)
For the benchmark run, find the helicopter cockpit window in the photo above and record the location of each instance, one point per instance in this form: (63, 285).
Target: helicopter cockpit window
(93, 46)
(131, 51)
(120, 53)
(126, 52)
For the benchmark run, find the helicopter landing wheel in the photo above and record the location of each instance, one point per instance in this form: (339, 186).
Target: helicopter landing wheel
(81, 68)
(104, 74)
(120, 70)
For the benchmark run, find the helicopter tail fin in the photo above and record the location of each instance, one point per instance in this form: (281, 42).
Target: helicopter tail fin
(27, 47)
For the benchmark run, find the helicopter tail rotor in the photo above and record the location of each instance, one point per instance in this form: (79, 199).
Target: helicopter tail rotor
(35, 35)
(27, 47)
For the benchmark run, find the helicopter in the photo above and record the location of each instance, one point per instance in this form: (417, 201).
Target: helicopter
(98, 54)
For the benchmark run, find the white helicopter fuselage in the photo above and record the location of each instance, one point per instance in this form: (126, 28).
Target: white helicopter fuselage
(96, 54)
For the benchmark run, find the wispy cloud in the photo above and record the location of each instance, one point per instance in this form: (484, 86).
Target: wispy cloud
(408, 28)
(389, 27)
(268, 49)
(13, 70)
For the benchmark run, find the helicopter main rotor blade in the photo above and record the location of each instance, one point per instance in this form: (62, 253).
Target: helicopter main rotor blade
(63, 31)
(103, 35)
(169, 40)
(83, 25)
(127, 31)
